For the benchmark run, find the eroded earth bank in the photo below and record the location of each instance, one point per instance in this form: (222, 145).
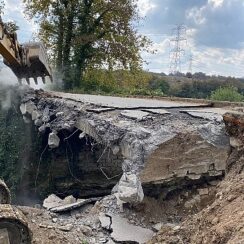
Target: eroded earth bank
(120, 170)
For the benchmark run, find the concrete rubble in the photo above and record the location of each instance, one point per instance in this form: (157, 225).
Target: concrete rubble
(165, 148)
(127, 233)
(57, 205)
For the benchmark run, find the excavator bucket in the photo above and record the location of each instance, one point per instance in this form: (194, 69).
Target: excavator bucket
(37, 63)
(27, 60)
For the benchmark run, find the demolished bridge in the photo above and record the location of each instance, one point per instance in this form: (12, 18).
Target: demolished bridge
(142, 146)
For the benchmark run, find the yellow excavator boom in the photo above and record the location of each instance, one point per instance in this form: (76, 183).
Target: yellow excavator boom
(27, 60)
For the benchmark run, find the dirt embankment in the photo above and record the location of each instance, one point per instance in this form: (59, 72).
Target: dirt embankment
(223, 220)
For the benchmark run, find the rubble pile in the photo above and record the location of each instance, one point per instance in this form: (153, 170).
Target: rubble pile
(145, 150)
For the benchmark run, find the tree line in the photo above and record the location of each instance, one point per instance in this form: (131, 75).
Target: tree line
(88, 34)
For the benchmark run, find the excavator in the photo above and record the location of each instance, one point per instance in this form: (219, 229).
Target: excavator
(26, 60)
(13, 224)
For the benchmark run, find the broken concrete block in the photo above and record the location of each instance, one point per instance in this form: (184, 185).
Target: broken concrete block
(27, 108)
(53, 140)
(35, 115)
(126, 233)
(59, 114)
(68, 207)
(82, 135)
(52, 201)
(105, 221)
(130, 189)
(69, 200)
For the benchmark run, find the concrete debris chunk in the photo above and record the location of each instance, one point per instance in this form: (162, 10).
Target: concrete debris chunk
(126, 233)
(82, 135)
(134, 114)
(69, 200)
(130, 189)
(35, 115)
(53, 140)
(27, 108)
(105, 221)
(52, 201)
(68, 207)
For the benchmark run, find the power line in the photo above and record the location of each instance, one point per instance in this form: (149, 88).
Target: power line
(177, 50)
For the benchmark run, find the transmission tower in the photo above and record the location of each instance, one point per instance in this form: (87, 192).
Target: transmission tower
(190, 64)
(177, 43)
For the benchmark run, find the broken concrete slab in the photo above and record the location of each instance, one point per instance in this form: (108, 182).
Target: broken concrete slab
(53, 140)
(134, 114)
(156, 111)
(126, 103)
(72, 206)
(204, 115)
(127, 233)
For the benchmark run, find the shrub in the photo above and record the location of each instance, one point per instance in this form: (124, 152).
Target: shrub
(229, 93)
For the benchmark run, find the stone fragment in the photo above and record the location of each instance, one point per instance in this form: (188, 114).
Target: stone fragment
(134, 114)
(130, 189)
(86, 230)
(82, 135)
(35, 115)
(157, 227)
(54, 220)
(105, 221)
(52, 201)
(127, 233)
(53, 140)
(38, 122)
(59, 114)
(66, 228)
(27, 108)
(203, 191)
(69, 200)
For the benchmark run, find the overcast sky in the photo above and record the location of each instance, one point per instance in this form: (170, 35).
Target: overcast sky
(215, 33)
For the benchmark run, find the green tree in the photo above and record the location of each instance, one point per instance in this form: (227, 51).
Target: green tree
(86, 34)
(229, 93)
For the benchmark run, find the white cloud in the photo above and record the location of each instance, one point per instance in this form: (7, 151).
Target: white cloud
(145, 6)
(197, 15)
(216, 3)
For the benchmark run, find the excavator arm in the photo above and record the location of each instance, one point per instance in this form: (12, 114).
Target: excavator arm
(26, 60)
